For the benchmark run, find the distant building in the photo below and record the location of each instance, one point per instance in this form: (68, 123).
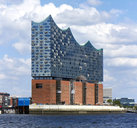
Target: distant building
(62, 70)
(126, 101)
(13, 101)
(107, 94)
(4, 99)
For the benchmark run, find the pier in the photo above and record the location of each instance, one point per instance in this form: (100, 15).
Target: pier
(129, 110)
(73, 109)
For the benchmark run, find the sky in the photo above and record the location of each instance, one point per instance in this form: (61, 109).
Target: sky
(108, 24)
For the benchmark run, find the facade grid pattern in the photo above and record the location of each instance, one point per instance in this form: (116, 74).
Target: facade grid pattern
(56, 54)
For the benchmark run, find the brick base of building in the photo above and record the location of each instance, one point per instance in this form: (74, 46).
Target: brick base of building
(66, 92)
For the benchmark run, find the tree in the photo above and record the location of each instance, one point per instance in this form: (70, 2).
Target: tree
(135, 107)
(109, 101)
(116, 102)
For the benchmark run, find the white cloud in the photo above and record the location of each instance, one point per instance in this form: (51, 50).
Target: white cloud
(20, 92)
(25, 61)
(84, 16)
(116, 12)
(15, 73)
(7, 59)
(108, 77)
(10, 1)
(22, 47)
(86, 22)
(120, 50)
(107, 33)
(122, 61)
(14, 67)
(94, 2)
(124, 83)
(2, 76)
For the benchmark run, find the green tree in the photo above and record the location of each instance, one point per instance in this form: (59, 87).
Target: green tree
(135, 107)
(109, 101)
(117, 102)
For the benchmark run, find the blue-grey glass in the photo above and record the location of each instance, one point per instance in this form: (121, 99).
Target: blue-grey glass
(56, 54)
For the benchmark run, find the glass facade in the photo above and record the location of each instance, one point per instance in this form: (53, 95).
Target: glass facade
(57, 55)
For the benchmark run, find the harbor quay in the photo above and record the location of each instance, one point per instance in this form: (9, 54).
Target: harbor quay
(73, 109)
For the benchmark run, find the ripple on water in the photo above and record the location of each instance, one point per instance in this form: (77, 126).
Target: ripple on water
(69, 121)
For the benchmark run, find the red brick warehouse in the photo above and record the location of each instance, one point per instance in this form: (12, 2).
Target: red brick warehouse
(48, 92)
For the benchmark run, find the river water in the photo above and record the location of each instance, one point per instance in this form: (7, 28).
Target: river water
(127, 120)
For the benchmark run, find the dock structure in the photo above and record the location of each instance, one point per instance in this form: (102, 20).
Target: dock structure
(73, 109)
(130, 110)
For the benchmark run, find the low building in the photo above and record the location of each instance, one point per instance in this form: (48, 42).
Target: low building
(126, 101)
(13, 101)
(23, 105)
(20, 104)
(4, 99)
(107, 94)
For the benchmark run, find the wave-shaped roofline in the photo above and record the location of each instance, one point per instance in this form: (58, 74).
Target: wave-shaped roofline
(87, 44)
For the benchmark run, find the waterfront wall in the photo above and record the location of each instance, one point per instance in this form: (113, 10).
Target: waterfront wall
(78, 109)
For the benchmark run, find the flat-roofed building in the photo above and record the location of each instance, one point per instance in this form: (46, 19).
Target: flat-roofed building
(107, 94)
(4, 99)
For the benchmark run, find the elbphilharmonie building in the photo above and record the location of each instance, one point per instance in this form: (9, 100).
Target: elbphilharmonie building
(62, 69)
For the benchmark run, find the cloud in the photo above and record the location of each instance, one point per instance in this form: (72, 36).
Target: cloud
(14, 67)
(120, 50)
(107, 76)
(22, 47)
(84, 16)
(94, 2)
(10, 1)
(15, 24)
(122, 61)
(107, 33)
(15, 73)
(116, 12)
(125, 82)
(118, 39)
(2, 76)
(92, 16)
(17, 93)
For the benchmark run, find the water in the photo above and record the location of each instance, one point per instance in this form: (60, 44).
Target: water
(127, 120)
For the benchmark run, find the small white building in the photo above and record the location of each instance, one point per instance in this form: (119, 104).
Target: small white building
(107, 94)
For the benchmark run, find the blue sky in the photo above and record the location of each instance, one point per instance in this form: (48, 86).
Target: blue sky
(128, 6)
(108, 24)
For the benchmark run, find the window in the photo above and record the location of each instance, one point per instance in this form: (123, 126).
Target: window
(38, 85)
